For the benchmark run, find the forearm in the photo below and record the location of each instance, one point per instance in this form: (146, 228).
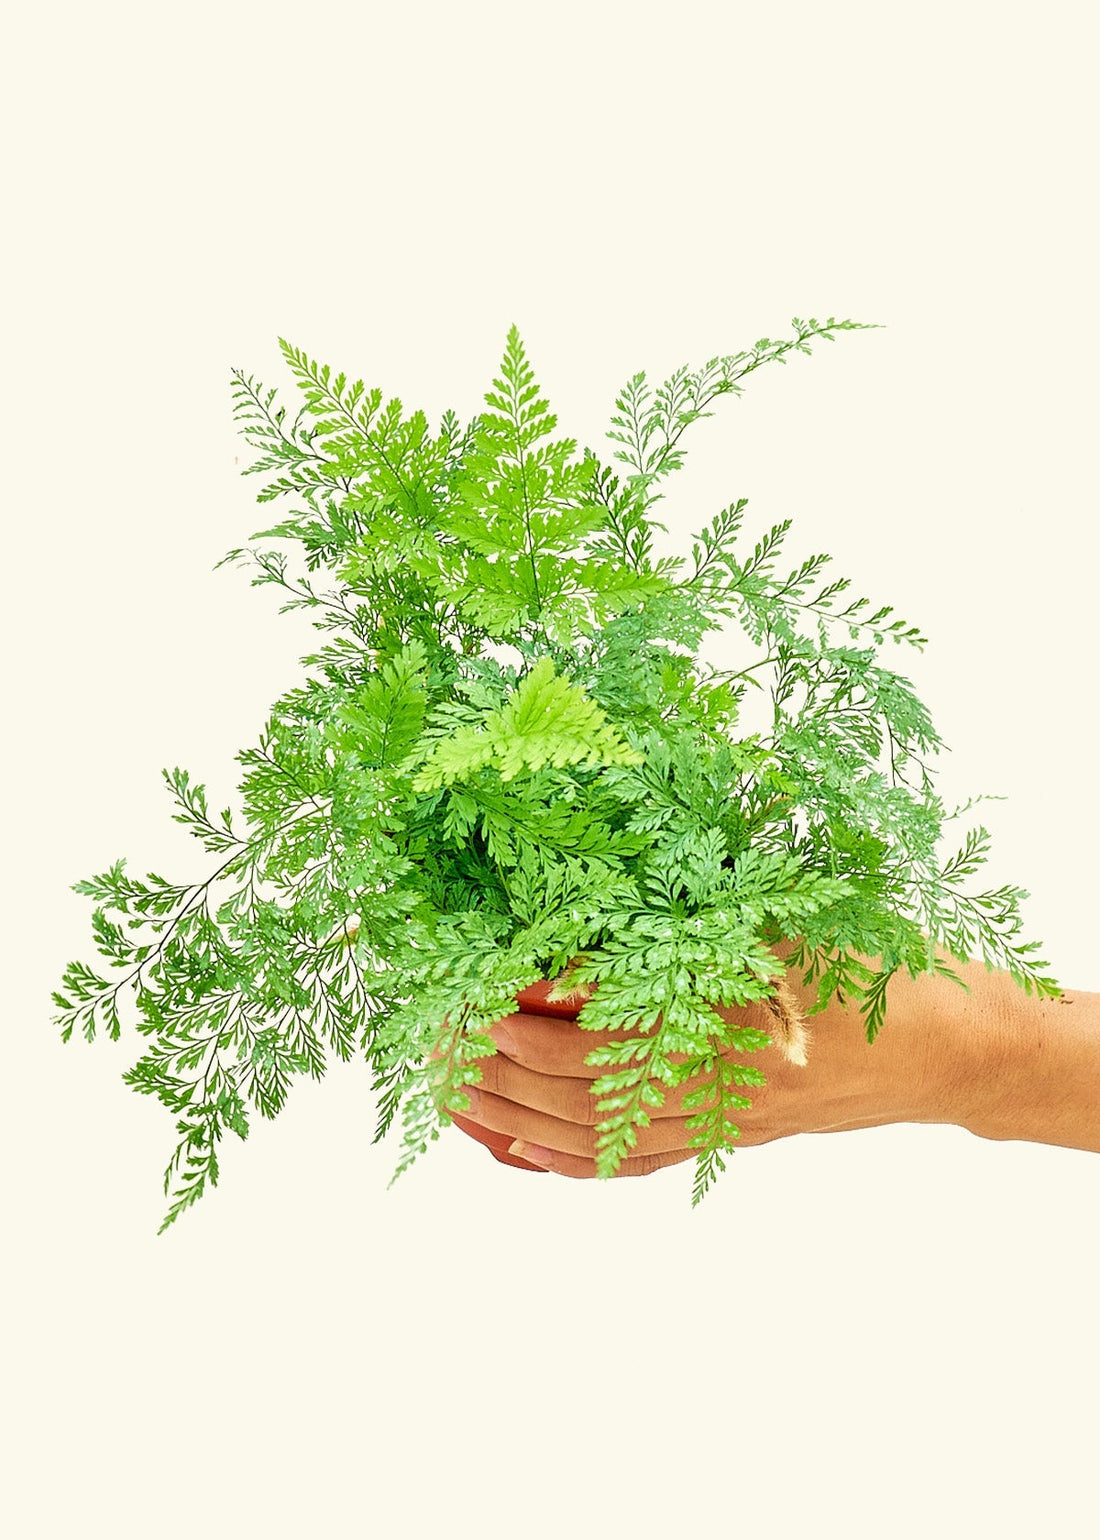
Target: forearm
(1035, 1069)
(990, 1058)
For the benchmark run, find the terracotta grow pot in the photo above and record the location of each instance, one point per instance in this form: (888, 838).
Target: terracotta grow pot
(534, 1001)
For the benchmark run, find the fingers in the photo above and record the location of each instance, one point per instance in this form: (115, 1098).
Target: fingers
(562, 1164)
(570, 1097)
(547, 1038)
(565, 1097)
(537, 1088)
(552, 1045)
(496, 1144)
(558, 1045)
(519, 1121)
(634, 1165)
(518, 1073)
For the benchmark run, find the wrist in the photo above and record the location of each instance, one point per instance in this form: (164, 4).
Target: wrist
(995, 1060)
(922, 1067)
(983, 1048)
(1041, 1080)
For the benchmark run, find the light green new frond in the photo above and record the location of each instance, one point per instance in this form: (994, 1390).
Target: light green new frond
(547, 721)
(358, 433)
(523, 415)
(550, 721)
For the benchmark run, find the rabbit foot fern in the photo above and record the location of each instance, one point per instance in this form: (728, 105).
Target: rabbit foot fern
(510, 764)
(790, 1032)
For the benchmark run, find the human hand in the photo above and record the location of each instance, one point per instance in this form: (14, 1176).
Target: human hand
(535, 1089)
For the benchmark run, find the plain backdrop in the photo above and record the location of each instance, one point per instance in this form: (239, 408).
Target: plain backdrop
(890, 1332)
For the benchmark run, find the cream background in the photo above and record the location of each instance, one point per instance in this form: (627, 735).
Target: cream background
(883, 1333)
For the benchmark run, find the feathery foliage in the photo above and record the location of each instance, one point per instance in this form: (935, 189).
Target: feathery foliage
(509, 764)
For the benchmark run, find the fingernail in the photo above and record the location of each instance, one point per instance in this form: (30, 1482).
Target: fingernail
(535, 1153)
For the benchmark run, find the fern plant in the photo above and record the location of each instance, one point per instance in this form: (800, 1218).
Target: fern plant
(509, 763)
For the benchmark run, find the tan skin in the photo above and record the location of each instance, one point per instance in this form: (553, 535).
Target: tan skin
(986, 1061)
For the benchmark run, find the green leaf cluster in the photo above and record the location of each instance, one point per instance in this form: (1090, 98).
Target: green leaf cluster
(509, 762)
